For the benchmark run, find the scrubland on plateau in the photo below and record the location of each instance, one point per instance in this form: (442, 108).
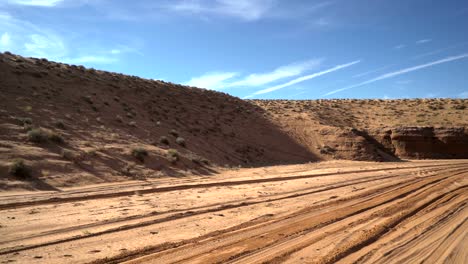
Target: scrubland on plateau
(100, 167)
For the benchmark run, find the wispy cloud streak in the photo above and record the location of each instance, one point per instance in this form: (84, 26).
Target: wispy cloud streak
(212, 80)
(439, 50)
(304, 78)
(399, 47)
(400, 72)
(423, 41)
(221, 80)
(44, 3)
(291, 70)
(248, 10)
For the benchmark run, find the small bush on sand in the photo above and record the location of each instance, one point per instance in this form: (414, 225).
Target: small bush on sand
(19, 169)
(28, 128)
(174, 133)
(140, 154)
(197, 159)
(119, 119)
(24, 120)
(56, 138)
(37, 135)
(164, 140)
(59, 124)
(173, 155)
(180, 141)
(70, 155)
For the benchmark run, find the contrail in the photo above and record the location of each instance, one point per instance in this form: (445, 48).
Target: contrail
(304, 78)
(400, 72)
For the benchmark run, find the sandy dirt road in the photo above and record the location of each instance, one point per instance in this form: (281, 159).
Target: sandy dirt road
(339, 211)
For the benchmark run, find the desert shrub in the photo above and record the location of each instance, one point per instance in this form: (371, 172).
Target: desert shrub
(70, 155)
(164, 140)
(56, 138)
(128, 169)
(174, 132)
(19, 169)
(59, 124)
(119, 119)
(37, 135)
(180, 141)
(24, 120)
(173, 155)
(197, 159)
(140, 154)
(28, 128)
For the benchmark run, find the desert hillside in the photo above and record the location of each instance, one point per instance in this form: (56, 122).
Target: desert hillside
(379, 130)
(65, 125)
(100, 126)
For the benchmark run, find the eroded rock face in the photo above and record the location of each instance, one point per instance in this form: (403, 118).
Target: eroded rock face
(353, 144)
(425, 142)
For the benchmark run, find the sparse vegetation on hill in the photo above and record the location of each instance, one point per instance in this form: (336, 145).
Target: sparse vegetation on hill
(38, 135)
(140, 154)
(164, 140)
(173, 155)
(180, 141)
(19, 169)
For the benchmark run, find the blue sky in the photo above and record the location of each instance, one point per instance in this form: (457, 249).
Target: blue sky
(266, 49)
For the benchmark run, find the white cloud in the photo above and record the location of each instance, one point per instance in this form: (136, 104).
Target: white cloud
(44, 46)
(27, 39)
(463, 94)
(43, 3)
(5, 40)
(221, 80)
(5, 16)
(304, 78)
(422, 41)
(213, 80)
(400, 72)
(248, 10)
(258, 79)
(322, 22)
(121, 49)
(399, 47)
